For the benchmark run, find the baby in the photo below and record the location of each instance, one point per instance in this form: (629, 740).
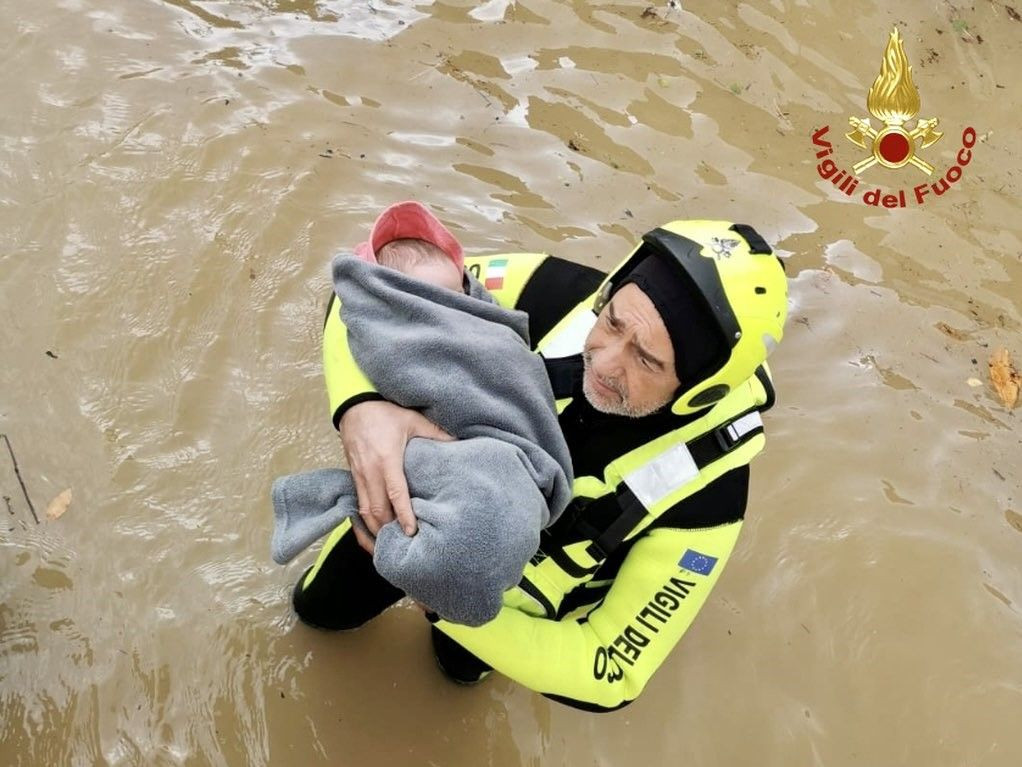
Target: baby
(465, 362)
(407, 237)
(422, 260)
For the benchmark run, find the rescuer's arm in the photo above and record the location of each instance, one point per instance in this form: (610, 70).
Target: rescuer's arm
(603, 660)
(346, 384)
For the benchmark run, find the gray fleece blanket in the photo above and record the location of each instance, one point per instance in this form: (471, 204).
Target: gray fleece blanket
(480, 501)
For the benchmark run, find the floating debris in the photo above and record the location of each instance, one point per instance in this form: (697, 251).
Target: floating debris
(17, 473)
(958, 335)
(1005, 378)
(59, 505)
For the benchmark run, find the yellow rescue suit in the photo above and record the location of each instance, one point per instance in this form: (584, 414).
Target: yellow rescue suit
(606, 598)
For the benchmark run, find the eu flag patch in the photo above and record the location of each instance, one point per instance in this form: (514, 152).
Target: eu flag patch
(693, 561)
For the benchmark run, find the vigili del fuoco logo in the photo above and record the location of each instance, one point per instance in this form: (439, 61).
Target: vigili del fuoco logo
(894, 101)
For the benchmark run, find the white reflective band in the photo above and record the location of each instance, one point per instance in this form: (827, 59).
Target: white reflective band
(662, 476)
(742, 426)
(571, 339)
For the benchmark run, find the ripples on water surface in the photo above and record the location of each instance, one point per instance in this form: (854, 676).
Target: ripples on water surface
(174, 177)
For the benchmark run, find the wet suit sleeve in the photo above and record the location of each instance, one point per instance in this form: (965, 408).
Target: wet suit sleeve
(346, 384)
(602, 661)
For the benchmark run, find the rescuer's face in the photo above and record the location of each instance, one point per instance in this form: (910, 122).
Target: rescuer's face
(629, 359)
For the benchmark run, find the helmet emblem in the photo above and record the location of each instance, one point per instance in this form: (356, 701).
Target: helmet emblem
(722, 248)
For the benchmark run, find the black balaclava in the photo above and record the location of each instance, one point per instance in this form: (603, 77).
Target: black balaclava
(698, 345)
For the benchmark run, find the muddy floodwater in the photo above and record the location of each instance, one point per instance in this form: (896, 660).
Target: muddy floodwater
(174, 178)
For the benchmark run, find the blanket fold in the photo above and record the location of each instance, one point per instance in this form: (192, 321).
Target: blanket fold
(482, 500)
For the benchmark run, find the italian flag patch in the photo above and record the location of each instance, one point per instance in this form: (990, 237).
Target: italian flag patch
(495, 271)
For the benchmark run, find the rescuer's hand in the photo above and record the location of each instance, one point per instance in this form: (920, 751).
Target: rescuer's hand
(374, 435)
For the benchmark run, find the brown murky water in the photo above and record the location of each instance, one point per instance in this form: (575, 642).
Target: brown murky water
(174, 177)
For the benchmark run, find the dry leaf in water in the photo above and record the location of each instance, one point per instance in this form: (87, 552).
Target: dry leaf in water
(59, 505)
(955, 333)
(1005, 378)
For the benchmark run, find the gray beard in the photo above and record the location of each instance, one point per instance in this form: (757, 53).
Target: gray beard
(624, 408)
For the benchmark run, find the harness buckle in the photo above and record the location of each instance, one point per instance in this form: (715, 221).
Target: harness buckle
(595, 550)
(733, 433)
(727, 437)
